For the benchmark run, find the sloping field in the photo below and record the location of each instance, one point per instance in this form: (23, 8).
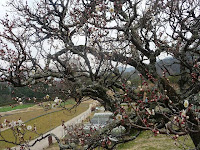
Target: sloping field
(147, 141)
(44, 123)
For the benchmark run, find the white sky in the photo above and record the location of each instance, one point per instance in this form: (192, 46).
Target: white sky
(2, 9)
(77, 40)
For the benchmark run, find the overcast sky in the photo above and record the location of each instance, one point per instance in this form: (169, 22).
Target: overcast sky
(2, 9)
(76, 40)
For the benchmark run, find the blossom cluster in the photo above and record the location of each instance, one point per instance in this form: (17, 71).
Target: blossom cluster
(18, 125)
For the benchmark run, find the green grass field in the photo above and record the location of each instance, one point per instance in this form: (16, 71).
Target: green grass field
(9, 108)
(43, 123)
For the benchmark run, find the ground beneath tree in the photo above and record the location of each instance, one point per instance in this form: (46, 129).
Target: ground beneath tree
(147, 141)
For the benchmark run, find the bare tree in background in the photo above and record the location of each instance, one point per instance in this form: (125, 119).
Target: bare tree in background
(43, 40)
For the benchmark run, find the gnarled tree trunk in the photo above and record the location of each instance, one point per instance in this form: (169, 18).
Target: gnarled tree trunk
(195, 136)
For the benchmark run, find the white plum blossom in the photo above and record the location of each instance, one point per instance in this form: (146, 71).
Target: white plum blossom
(60, 100)
(12, 123)
(183, 113)
(47, 96)
(186, 103)
(29, 127)
(3, 125)
(110, 54)
(20, 103)
(57, 100)
(20, 122)
(49, 78)
(119, 117)
(53, 105)
(97, 8)
(129, 82)
(153, 19)
(111, 10)
(32, 72)
(148, 110)
(152, 112)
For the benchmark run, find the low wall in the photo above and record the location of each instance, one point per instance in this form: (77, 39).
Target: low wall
(78, 119)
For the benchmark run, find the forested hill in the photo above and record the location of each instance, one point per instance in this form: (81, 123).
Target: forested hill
(7, 93)
(169, 63)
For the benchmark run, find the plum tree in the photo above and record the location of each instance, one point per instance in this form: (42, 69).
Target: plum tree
(82, 44)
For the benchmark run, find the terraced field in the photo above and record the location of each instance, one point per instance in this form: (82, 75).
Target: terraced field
(44, 120)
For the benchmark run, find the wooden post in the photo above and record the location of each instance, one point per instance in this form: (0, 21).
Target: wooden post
(50, 140)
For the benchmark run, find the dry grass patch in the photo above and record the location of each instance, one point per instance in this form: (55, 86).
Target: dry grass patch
(29, 114)
(147, 141)
(32, 112)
